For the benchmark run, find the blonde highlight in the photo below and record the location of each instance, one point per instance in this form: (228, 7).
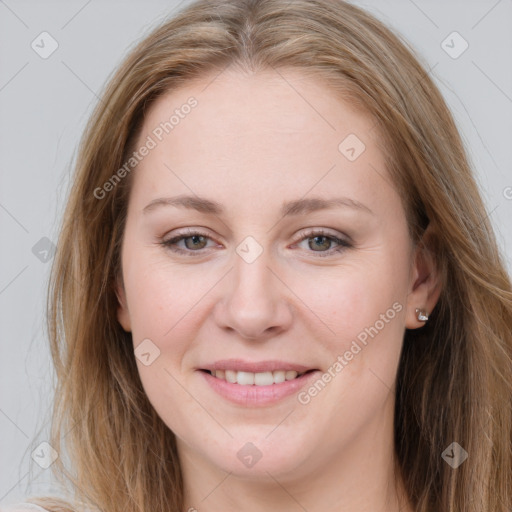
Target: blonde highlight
(124, 455)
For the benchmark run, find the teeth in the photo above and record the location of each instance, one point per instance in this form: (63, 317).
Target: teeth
(290, 374)
(263, 379)
(257, 379)
(230, 376)
(245, 378)
(279, 376)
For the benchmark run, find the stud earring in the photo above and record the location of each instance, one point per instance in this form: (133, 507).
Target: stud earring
(422, 315)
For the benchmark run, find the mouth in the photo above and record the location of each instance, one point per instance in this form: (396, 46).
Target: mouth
(256, 383)
(267, 378)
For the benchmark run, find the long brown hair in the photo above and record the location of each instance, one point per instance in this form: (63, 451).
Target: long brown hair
(454, 377)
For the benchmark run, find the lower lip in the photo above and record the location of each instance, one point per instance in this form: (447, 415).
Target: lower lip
(253, 396)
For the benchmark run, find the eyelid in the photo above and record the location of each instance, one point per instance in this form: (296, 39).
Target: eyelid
(344, 241)
(310, 232)
(183, 234)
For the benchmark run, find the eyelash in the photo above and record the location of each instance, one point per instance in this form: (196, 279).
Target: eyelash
(342, 244)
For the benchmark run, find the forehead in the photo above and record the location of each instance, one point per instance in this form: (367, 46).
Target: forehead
(261, 131)
(268, 100)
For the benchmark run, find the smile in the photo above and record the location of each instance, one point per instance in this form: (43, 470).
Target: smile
(256, 379)
(256, 383)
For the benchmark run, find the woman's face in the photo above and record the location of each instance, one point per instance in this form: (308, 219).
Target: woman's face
(295, 257)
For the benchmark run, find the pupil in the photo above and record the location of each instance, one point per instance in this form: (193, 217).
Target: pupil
(196, 240)
(319, 238)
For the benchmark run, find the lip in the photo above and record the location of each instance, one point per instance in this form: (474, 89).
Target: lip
(255, 367)
(257, 396)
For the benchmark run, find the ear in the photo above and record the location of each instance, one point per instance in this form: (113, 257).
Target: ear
(425, 285)
(123, 315)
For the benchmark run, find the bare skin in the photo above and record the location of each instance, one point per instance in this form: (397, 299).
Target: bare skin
(252, 143)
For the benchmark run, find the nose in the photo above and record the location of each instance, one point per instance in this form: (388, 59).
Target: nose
(255, 302)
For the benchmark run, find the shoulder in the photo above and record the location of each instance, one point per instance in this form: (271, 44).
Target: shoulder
(22, 507)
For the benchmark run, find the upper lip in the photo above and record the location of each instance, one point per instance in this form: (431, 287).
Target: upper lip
(256, 366)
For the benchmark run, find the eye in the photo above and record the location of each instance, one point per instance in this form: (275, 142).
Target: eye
(194, 241)
(318, 239)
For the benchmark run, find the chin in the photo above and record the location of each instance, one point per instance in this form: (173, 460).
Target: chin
(256, 459)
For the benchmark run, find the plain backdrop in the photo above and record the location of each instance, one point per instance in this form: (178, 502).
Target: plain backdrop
(45, 103)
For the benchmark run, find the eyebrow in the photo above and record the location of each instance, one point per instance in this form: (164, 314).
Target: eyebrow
(289, 208)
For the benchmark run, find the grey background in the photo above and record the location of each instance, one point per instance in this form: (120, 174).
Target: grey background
(44, 104)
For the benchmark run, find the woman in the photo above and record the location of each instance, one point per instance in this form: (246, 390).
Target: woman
(276, 286)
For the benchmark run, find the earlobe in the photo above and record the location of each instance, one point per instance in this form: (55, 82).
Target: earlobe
(421, 315)
(123, 315)
(426, 283)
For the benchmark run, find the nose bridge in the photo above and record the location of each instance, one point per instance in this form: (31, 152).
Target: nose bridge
(252, 302)
(252, 277)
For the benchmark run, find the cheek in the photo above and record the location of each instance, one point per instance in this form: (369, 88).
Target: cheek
(168, 305)
(351, 298)
(164, 304)
(161, 294)
(360, 309)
